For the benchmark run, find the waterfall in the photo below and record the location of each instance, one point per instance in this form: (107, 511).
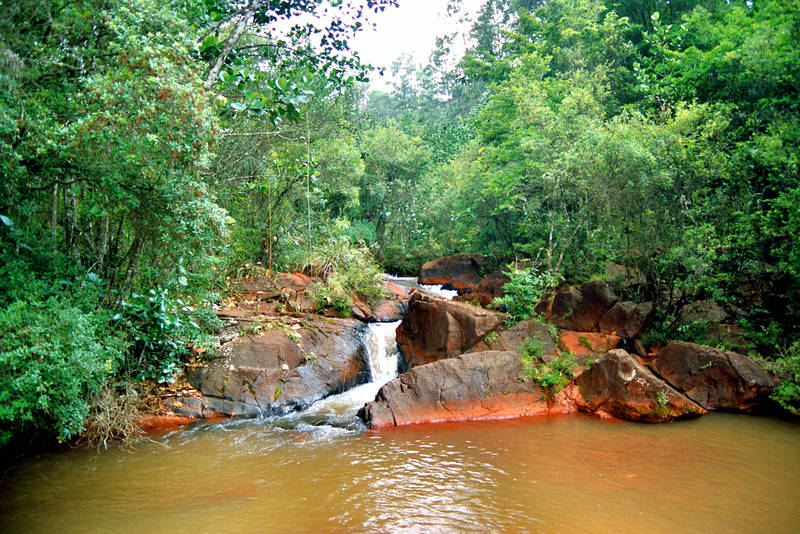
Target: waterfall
(340, 410)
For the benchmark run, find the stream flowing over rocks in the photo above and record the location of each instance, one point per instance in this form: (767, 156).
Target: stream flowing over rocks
(461, 362)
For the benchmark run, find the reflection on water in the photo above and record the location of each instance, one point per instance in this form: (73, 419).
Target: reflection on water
(720, 473)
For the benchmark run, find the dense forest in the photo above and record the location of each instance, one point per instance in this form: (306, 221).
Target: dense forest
(151, 151)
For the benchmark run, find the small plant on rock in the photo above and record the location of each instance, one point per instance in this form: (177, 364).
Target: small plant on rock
(552, 376)
(524, 291)
(662, 401)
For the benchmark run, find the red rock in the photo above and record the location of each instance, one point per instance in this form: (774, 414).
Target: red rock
(487, 290)
(619, 386)
(401, 293)
(386, 310)
(460, 271)
(434, 328)
(715, 379)
(588, 343)
(513, 338)
(477, 386)
(156, 425)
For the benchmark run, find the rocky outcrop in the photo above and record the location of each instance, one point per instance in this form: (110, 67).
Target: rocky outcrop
(619, 386)
(580, 308)
(287, 365)
(477, 386)
(588, 344)
(487, 290)
(460, 271)
(434, 328)
(513, 338)
(715, 379)
(594, 307)
(626, 319)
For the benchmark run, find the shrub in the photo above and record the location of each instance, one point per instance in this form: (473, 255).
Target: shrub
(553, 376)
(347, 270)
(788, 391)
(113, 412)
(53, 357)
(163, 328)
(524, 291)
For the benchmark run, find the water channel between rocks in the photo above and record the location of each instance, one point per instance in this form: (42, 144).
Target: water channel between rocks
(319, 471)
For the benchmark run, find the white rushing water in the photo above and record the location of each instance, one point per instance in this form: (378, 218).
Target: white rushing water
(340, 410)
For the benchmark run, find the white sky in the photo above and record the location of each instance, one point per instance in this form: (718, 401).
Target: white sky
(411, 28)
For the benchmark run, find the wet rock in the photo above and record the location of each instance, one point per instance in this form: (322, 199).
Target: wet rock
(476, 386)
(626, 319)
(581, 308)
(185, 406)
(434, 328)
(386, 310)
(513, 338)
(460, 271)
(619, 386)
(156, 425)
(286, 367)
(715, 379)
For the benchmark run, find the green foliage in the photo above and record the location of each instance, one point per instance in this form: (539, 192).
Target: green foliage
(162, 329)
(662, 402)
(553, 376)
(491, 338)
(788, 391)
(348, 271)
(524, 291)
(53, 357)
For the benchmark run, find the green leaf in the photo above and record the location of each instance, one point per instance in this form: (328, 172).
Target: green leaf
(8, 222)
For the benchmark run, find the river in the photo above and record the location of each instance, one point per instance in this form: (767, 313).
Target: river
(320, 471)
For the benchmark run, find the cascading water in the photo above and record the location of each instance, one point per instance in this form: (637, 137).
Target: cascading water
(340, 410)
(338, 413)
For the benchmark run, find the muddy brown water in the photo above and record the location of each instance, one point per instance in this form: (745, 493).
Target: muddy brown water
(720, 473)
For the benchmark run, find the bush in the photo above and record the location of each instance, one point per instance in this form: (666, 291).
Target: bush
(524, 292)
(553, 376)
(788, 391)
(163, 328)
(347, 270)
(53, 357)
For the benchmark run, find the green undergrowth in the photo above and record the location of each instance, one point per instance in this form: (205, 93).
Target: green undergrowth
(552, 376)
(787, 394)
(347, 270)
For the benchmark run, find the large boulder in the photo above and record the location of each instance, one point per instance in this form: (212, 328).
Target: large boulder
(487, 290)
(285, 367)
(434, 328)
(460, 271)
(513, 338)
(619, 386)
(626, 319)
(715, 379)
(580, 308)
(477, 386)
(594, 307)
